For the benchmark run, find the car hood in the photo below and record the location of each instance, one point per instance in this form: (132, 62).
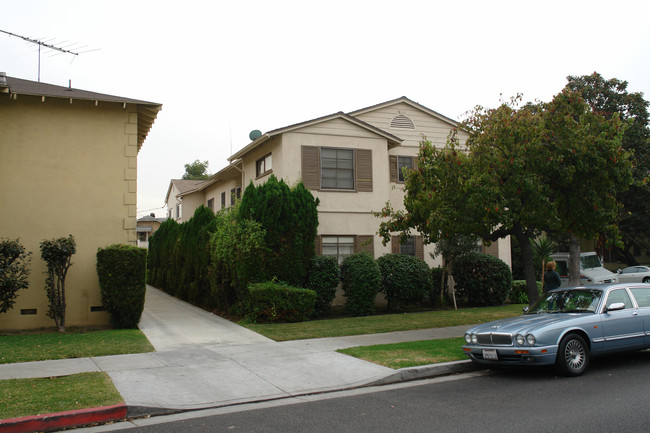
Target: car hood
(598, 273)
(526, 323)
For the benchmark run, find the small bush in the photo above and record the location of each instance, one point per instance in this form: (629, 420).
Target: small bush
(57, 254)
(518, 293)
(404, 279)
(361, 282)
(323, 278)
(274, 302)
(481, 280)
(14, 273)
(121, 270)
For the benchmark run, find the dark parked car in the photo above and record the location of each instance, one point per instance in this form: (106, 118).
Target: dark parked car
(566, 327)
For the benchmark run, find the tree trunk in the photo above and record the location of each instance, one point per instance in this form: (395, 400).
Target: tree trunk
(574, 261)
(529, 265)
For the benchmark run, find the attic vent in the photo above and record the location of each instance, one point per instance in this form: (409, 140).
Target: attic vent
(401, 121)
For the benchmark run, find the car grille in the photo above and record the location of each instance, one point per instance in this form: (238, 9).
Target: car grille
(494, 339)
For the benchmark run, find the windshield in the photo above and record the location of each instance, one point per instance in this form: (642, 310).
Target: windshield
(587, 262)
(567, 301)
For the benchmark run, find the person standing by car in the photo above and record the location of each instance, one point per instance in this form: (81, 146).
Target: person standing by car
(551, 277)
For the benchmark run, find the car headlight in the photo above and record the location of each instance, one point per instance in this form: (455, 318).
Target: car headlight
(530, 339)
(520, 339)
(474, 339)
(468, 338)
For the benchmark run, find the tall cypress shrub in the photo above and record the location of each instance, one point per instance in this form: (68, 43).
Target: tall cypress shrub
(290, 220)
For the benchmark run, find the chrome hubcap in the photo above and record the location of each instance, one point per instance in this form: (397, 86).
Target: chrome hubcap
(574, 354)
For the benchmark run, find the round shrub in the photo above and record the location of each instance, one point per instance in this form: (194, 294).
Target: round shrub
(404, 279)
(361, 283)
(323, 279)
(121, 270)
(518, 293)
(481, 280)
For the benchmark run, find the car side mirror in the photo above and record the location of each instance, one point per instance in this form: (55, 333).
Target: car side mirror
(616, 306)
(619, 270)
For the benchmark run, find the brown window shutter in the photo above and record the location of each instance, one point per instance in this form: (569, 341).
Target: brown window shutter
(492, 250)
(419, 247)
(364, 243)
(317, 244)
(364, 170)
(394, 244)
(392, 166)
(311, 167)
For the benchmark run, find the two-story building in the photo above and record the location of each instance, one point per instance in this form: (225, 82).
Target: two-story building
(68, 165)
(351, 161)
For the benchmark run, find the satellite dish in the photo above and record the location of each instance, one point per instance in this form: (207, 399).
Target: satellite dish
(255, 134)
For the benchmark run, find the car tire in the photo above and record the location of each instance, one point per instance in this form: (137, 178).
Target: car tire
(646, 280)
(572, 355)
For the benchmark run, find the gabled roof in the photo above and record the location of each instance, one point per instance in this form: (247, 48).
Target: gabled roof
(182, 185)
(225, 173)
(407, 101)
(340, 115)
(147, 111)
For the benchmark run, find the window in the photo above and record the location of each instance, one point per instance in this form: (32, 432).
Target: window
(338, 246)
(235, 194)
(413, 246)
(397, 163)
(619, 295)
(642, 296)
(211, 204)
(223, 200)
(263, 166)
(179, 209)
(337, 168)
(403, 161)
(332, 169)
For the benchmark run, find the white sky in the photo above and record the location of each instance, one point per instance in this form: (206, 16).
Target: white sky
(224, 68)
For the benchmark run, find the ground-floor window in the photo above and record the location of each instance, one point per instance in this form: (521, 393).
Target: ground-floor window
(338, 246)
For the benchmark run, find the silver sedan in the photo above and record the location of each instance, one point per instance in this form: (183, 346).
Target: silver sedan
(634, 274)
(566, 327)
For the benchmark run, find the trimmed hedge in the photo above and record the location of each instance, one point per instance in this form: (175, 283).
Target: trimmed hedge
(121, 270)
(274, 302)
(518, 293)
(323, 279)
(404, 279)
(481, 280)
(361, 283)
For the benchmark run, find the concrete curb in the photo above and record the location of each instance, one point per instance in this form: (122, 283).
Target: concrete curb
(428, 372)
(60, 420)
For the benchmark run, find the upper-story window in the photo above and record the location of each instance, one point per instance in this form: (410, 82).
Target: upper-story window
(263, 166)
(397, 165)
(179, 210)
(223, 200)
(235, 194)
(337, 168)
(402, 122)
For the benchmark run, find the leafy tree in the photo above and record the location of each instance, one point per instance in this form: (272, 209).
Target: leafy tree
(591, 169)
(606, 98)
(14, 262)
(452, 248)
(511, 176)
(197, 170)
(57, 254)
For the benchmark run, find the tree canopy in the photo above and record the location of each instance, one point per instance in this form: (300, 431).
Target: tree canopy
(511, 176)
(197, 170)
(607, 98)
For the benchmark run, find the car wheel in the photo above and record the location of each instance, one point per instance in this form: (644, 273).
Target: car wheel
(646, 280)
(572, 355)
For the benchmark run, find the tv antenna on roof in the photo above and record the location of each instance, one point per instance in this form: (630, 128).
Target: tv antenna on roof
(49, 46)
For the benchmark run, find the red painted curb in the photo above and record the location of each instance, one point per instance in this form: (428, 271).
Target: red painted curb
(59, 420)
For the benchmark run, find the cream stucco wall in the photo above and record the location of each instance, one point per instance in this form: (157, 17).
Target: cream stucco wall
(66, 168)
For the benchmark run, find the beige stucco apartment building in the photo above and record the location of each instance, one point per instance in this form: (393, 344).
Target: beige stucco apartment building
(351, 161)
(68, 165)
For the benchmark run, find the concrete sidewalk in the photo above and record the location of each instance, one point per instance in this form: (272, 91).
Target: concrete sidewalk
(205, 361)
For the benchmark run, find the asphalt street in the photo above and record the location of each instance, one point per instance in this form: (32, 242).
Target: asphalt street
(611, 397)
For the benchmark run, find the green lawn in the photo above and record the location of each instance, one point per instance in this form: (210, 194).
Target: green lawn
(382, 323)
(411, 354)
(24, 397)
(72, 344)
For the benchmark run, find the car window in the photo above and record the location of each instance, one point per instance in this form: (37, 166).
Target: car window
(619, 295)
(567, 301)
(642, 296)
(628, 270)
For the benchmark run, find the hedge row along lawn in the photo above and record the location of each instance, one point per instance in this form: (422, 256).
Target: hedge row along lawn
(410, 354)
(382, 323)
(72, 344)
(24, 397)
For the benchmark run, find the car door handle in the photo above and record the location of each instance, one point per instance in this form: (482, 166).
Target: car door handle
(635, 314)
